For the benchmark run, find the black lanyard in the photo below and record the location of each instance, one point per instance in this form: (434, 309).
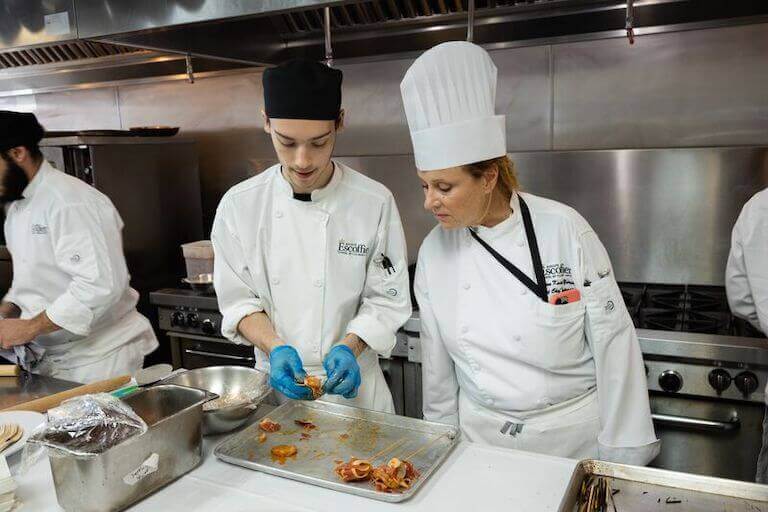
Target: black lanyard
(540, 286)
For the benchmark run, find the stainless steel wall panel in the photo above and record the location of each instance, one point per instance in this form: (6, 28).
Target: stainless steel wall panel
(222, 114)
(78, 110)
(697, 88)
(665, 216)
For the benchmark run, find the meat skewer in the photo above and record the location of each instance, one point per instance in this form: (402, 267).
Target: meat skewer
(357, 470)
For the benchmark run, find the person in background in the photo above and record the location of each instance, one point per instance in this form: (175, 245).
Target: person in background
(746, 284)
(310, 261)
(70, 312)
(526, 342)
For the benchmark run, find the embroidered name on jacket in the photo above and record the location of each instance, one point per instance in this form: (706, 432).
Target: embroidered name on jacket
(559, 278)
(352, 248)
(38, 229)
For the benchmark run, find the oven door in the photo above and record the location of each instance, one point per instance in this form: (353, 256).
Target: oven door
(719, 438)
(191, 351)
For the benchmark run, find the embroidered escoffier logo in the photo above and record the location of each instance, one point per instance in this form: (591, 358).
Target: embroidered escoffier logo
(352, 248)
(39, 229)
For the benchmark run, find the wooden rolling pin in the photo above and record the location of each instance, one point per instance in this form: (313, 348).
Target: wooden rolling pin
(9, 370)
(51, 401)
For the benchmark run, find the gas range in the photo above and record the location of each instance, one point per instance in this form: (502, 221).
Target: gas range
(187, 311)
(705, 365)
(698, 309)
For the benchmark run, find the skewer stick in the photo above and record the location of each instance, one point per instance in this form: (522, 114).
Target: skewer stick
(425, 447)
(381, 452)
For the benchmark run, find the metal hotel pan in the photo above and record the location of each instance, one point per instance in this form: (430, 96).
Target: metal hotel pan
(342, 432)
(131, 470)
(643, 489)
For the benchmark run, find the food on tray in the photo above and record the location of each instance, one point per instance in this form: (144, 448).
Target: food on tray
(305, 436)
(305, 424)
(396, 475)
(315, 384)
(283, 451)
(356, 470)
(268, 425)
(262, 437)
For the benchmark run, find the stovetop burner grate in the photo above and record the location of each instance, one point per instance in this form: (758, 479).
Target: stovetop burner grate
(700, 309)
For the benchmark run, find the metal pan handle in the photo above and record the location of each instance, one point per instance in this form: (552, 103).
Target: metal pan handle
(220, 356)
(697, 423)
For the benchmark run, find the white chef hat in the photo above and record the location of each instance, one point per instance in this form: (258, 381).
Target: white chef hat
(449, 94)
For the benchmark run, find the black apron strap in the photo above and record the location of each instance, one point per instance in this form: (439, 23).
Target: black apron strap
(540, 286)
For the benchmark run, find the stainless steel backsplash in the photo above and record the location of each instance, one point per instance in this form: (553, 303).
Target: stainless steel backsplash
(665, 215)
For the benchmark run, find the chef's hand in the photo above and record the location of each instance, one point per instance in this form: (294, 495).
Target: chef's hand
(16, 332)
(286, 370)
(343, 372)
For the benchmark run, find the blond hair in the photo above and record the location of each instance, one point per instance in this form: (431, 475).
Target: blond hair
(507, 181)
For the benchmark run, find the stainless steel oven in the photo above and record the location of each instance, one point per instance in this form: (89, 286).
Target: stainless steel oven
(192, 325)
(707, 400)
(707, 436)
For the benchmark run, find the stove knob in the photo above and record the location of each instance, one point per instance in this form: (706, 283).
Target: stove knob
(178, 319)
(671, 381)
(746, 382)
(192, 320)
(719, 379)
(208, 326)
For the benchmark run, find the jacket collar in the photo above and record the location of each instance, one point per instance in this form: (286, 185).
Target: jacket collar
(284, 187)
(34, 185)
(505, 227)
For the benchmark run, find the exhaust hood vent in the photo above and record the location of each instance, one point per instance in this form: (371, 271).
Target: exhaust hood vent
(62, 52)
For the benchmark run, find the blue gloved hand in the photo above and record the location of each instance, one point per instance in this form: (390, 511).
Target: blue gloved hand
(343, 372)
(286, 371)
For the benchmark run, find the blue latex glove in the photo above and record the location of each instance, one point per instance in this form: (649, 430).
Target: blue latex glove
(343, 372)
(285, 371)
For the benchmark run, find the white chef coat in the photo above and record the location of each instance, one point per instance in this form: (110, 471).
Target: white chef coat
(493, 352)
(746, 274)
(65, 241)
(315, 268)
(746, 284)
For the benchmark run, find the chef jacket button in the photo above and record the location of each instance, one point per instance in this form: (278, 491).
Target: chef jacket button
(520, 243)
(464, 329)
(319, 283)
(523, 291)
(275, 280)
(467, 286)
(490, 401)
(278, 214)
(517, 337)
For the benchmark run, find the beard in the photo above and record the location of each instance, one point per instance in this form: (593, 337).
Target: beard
(13, 182)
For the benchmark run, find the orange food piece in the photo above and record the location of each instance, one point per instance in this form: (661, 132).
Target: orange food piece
(282, 451)
(315, 384)
(396, 475)
(268, 425)
(305, 424)
(262, 437)
(356, 470)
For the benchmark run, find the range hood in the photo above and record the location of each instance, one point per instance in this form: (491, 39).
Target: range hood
(41, 51)
(269, 31)
(49, 45)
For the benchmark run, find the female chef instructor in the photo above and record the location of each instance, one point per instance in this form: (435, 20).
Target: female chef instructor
(526, 342)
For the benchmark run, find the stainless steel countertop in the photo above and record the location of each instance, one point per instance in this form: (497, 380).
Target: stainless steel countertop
(28, 386)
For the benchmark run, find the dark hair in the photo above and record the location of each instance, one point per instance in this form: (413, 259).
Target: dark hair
(33, 148)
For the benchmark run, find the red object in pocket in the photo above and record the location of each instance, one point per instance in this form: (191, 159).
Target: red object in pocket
(565, 297)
